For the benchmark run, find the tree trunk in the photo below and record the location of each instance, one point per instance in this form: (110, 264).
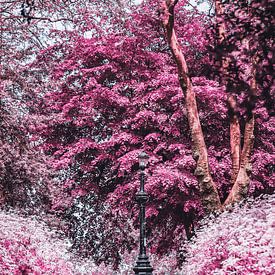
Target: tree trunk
(241, 167)
(222, 63)
(235, 138)
(209, 194)
(221, 60)
(240, 187)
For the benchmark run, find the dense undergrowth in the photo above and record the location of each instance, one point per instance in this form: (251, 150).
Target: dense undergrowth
(237, 241)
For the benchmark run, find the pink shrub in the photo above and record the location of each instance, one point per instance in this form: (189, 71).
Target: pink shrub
(29, 247)
(239, 241)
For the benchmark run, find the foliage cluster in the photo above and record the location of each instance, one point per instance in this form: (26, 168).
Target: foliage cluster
(239, 241)
(93, 85)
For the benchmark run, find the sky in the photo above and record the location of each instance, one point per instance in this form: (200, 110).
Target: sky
(202, 7)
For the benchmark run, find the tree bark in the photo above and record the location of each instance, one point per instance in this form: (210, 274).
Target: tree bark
(222, 63)
(209, 193)
(235, 138)
(240, 187)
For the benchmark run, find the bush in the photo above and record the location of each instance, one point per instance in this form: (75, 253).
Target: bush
(27, 246)
(238, 241)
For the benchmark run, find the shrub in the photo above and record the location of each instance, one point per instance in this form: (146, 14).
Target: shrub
(238, 241)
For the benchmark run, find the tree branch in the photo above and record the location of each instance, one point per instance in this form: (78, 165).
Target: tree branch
(240, 187)
(235, 137)
(235, 131)
(209, 194)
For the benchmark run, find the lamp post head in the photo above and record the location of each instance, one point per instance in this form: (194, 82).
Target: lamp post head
(143, 160)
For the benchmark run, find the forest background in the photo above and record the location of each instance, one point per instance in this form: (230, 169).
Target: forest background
(87, 85)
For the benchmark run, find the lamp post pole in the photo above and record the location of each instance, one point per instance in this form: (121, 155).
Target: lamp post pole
(142, 266)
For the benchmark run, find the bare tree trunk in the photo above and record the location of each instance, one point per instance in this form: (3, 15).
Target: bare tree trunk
(235, 138)
(223, 62)
(209, 194)
(241, 167)
(240, 187)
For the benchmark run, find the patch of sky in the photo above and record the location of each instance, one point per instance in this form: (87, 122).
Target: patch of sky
(202, 6)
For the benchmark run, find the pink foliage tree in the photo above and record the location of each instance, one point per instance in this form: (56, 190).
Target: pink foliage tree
(97, 96)
(107, 106)
(240, 144)
(24, 174)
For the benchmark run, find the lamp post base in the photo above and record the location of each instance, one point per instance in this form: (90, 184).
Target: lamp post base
(143, 266)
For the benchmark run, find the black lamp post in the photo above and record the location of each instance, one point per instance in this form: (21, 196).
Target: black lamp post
(142, 266)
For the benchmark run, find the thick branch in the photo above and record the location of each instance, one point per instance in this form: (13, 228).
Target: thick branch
(220, 22)
(235, 137)
(222, 62)
(208, 190)
(240, 187)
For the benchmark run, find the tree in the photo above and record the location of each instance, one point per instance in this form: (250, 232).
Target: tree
(107, 106)
(240, 157)
(99, 93)
(244, 52)
(209, 193)
(28, 27)
(23, 174)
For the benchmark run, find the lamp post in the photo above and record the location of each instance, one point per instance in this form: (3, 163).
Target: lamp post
(142, 266)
